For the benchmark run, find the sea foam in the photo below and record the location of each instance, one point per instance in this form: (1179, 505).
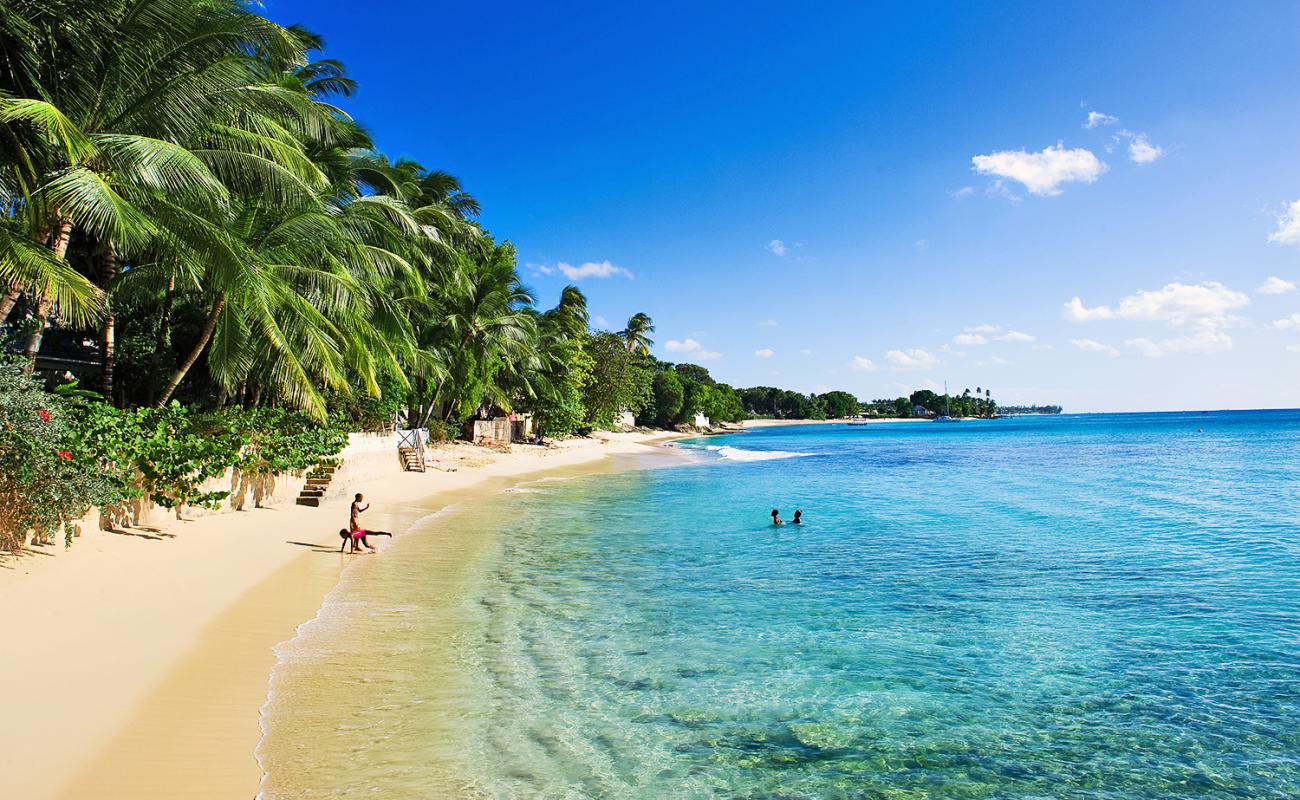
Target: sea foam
(740, 454)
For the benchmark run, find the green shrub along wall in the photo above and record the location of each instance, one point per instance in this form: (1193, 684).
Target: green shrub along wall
(63, 452)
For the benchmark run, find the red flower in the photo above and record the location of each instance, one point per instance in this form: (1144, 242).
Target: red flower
(44, 415)
(65, 455)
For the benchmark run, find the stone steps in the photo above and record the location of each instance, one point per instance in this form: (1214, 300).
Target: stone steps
(318, 482)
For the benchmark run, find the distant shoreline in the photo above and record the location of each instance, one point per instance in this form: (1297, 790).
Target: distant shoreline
(773, 423)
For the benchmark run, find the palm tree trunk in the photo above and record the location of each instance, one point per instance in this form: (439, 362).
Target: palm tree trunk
(205, 336)
(162, 348)
(108, 331)
(60, 247)
(7, 302)
(165, 316)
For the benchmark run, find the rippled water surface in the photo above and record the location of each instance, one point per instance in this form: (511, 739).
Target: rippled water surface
(1094, 606)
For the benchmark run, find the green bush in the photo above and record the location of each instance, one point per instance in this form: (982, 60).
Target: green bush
(48, 479)
(275, 440)
(167, 453)
(440, 431)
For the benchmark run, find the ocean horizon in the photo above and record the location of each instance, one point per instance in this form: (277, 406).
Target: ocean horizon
(1065, 606)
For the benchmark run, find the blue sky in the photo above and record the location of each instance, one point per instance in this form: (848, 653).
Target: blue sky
(877, 199)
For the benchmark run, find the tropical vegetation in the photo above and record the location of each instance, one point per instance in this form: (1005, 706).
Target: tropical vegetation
(196, 229)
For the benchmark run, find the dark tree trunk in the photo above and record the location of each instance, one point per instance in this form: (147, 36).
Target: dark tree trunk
(205, 336)
(108, 330)
(62, 234)
(165, 316)
(163, 345)
(8, 301)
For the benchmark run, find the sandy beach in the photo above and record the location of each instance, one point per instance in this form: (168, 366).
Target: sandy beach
(135, 662)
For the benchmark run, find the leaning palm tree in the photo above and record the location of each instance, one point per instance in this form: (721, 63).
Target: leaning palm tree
(569, 318)
(140, 110)
(636, 334)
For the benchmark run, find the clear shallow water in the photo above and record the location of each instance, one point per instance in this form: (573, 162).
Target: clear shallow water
(1070, 607)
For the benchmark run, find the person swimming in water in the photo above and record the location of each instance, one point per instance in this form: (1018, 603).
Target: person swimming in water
(798, 517)
(776, 517)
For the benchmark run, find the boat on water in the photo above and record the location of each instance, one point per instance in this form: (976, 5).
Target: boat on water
(945, 416)
(856, 421)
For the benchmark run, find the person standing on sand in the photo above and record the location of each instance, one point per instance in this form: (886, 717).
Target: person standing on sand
(354, 525)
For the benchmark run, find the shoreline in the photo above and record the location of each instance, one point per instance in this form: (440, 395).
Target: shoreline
(140, 660)
(751, 424)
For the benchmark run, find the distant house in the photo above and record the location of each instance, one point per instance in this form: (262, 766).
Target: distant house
(701, 421)
(921, 411)
(625, 419)
(500, 430)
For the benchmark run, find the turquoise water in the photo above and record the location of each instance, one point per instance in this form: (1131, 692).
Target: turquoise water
(1100, 606)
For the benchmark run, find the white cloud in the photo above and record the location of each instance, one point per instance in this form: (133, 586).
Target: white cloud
(1142, 151)
(922, 244)
(765, 352)
(1092, 346)
(969, 339)
(777, 246)
(863, 363)
(1275, 285)
(1294, 348)
(1200, 343)
(1041, 347)
(1042, 173)
(1076, 312)
(1096, 119)
(1290, 323)
(1200, 310)
(600, 321)
(1019, 337)
(1180, 305)
(805, 352)
(984, 329)
(542, 269)
(1288, 226)
(965, 191)
(592, 269)
(915, 358)
(993, 361)
(768, 323)
(692, 349)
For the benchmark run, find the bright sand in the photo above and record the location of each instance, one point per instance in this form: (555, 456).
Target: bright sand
(134, 664)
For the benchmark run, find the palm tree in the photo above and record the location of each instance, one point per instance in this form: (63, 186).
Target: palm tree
(636, 334)
(186, 158)
(140, 117)
(569, 318)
